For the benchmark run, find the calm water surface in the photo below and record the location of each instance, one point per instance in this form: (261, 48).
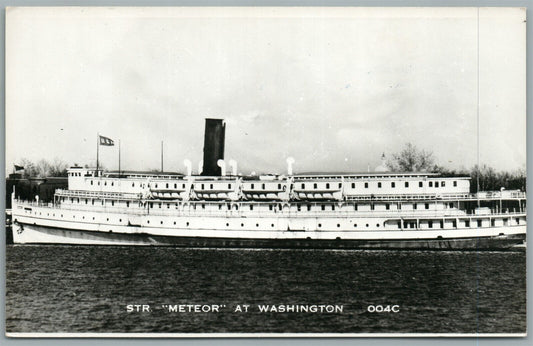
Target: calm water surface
(87, 289)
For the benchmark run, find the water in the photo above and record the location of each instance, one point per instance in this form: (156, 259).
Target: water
(87, 289)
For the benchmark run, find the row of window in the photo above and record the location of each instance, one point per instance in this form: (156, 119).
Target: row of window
(236, 206)
(302, 185)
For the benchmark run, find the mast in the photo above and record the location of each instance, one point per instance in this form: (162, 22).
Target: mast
(119, 158)
(97, 151)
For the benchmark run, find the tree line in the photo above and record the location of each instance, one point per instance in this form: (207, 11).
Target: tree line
(42, 168)
(412, 159)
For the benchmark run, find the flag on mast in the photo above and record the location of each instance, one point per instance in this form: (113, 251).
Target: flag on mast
(106, 141)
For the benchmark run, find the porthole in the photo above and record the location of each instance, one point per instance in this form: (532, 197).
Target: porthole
(272, 225)
(319, 225)
(355, 225)
(161, 222)
(148, 221)
(119, 220)
(377, 224)
(227, 224)
(174, 222)
(366, 225)
(187, 224)
(107, 219)
(338, 225)
(256, 225)
(242, 225)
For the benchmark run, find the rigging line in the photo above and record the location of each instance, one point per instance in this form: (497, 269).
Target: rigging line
(478, 154)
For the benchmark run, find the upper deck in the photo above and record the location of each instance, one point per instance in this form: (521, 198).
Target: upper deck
(270, 187)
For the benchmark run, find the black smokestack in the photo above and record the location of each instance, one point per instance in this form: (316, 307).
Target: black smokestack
(215, 131)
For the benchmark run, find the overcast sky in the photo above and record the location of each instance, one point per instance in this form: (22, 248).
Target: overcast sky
(332, 87)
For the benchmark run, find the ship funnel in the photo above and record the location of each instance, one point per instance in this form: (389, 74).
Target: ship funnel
(233, 165)
(200, 167)
(222, 165)
(215, 130)
(188, 165)
(290, 162)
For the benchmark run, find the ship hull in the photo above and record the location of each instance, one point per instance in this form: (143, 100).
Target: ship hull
(35, 234)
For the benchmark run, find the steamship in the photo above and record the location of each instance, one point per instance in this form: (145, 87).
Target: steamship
(225, 209)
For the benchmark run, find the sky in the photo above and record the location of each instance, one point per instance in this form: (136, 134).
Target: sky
(334, 88)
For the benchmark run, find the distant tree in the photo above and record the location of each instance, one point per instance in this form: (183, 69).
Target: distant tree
(411, 159)
(43, 168)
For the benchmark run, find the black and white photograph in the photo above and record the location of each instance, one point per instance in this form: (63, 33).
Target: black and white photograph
(265, 171)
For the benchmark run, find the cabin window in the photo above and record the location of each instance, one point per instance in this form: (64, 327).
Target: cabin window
(182, 186)
(112, 183)
(430, 184)
(86, 201)
(406, 184)
(92, 201)
(251, 207)
(479, 223)
(379, 185)
(202, 186)
(420, 184)
(436, 184)
(467, 223)
(252, 186)
(415, 206)
(105, 183)
(327, 185)
(355, 207)
(323, 207)
(450, 205)
(430, 224)
(454, 224)
(98, 183)
(353, 185)
(263, 186)
(332, 207)
(270, 207)
(315, 186)
(168, 205)
(279, 186)
(493, 222)
(127, 204)
(426, 205)
(340, 185)
(443, 183)
(229, 186)
(159, 204)
(299, 207)
(132, 184)
(151, 205)
(303, 186)
(371, 206)
(308, 208)
(387, 206)
(175, 186)
(112, 203)
(455, 184)
(393, 184)
(102, 202)
(166, 185)
(366, 185)
(156, 185)
(441, 224)
(91, 182)
(211, 186)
